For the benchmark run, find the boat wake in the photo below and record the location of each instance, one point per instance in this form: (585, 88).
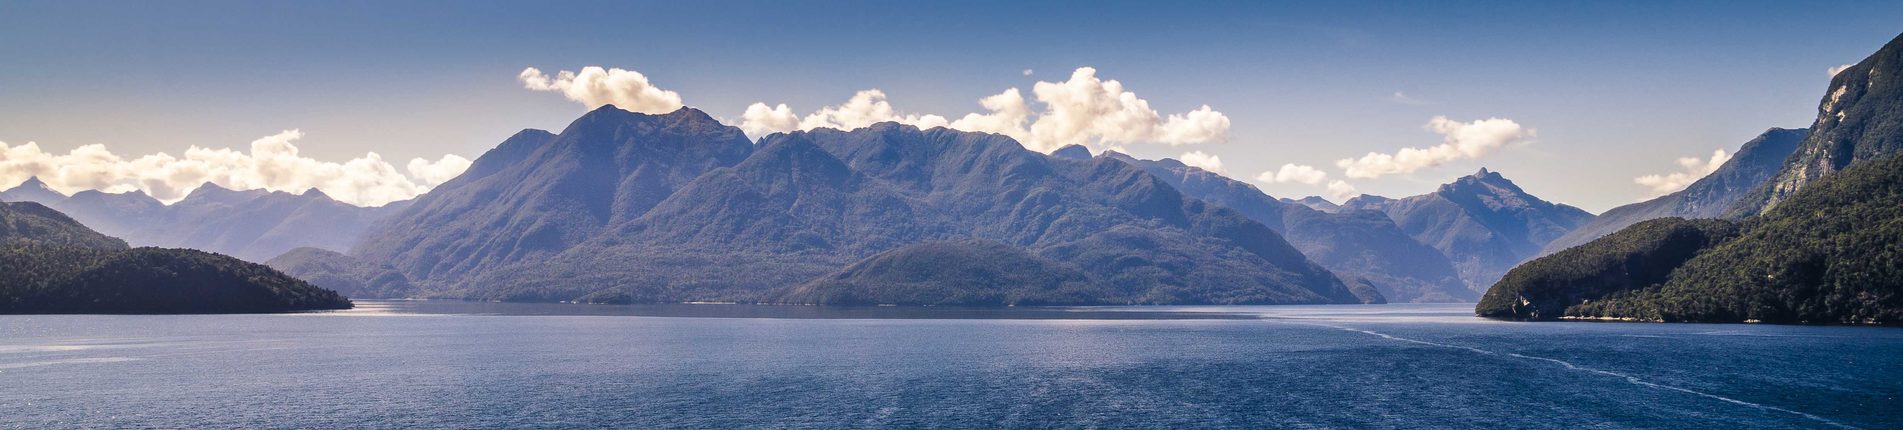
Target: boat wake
(1571, 366)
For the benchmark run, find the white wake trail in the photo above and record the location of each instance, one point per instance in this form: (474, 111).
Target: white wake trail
(1570, 366)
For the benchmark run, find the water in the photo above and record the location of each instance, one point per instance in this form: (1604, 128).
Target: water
(464, 365)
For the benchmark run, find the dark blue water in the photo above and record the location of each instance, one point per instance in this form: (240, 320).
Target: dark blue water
(410, 364)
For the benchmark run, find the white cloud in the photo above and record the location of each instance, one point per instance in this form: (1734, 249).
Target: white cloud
(1202, 160)
(1027, 72)
(1833, 71)
(865, 108)
(760, 120)
(1083, 110)
(273, 163)
(1459, 140)
(1690, 170)
(595, 86)
(1087, 110)
(431, 174)
(1008, 112)
(1293, 173)
(1341, 191)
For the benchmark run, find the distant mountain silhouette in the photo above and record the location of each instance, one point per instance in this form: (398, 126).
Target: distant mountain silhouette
(32, 190)
(1315, 202)
(1754, 163)
(254, 225)
(628, 207)
(1361, 246)
(344, 274)
(1483, 222)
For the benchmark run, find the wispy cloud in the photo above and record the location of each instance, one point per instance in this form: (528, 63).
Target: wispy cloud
(1834, 70)
(1459, 141)
(1690, 170)
(1403, 98)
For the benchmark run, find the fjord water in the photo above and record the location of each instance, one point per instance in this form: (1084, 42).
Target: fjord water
(484, 365)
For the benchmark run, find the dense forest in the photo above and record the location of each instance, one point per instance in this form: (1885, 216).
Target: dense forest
(52, 264)
(1639, 256)
(1831, 253)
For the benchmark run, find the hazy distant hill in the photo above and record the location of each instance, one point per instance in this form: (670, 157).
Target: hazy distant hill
(254, 225)
(627, 207)
(1315, 202)
(344, 274)
(1483, 222)
(32, 190)
(1362, 246)
(23, 223)
(1709, 197)
(50, 263)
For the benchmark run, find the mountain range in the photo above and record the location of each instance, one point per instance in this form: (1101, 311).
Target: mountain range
(1483, 223)
(253, 225)
(628, 207)
(1364, 247)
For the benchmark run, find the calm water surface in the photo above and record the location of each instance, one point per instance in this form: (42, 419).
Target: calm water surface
(482, 365)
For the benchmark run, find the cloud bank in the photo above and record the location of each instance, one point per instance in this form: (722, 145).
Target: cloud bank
(1084, 110)
(594, 86)
(273, 163)
(1459, 141)
(1690, 170)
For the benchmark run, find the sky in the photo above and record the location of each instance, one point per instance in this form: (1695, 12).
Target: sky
(1594, 104)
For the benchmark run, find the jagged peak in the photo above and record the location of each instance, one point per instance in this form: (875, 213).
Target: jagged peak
(315, 193)
(34, 182)
(1484, 177)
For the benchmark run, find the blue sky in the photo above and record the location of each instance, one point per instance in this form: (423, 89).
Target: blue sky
(1614, 90)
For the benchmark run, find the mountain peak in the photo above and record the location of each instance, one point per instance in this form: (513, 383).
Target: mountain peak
(1072, 151)
(1483, 178)
(315, 194)
(32, 190)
